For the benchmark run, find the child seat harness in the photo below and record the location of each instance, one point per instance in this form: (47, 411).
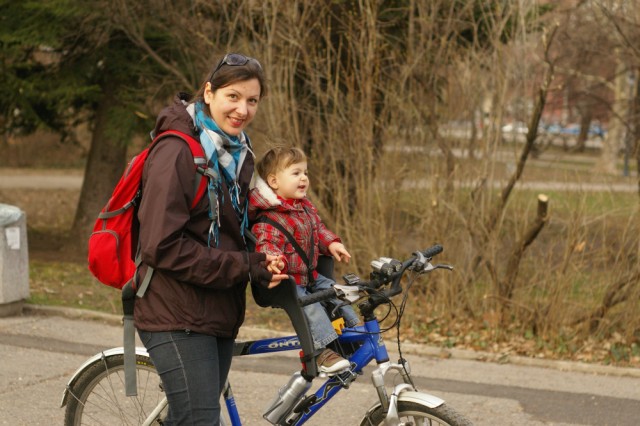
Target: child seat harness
(294, 243)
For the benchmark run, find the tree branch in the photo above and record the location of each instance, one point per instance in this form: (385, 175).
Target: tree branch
(616, 294)
(532, 133)
(507, 284)
(127, 24)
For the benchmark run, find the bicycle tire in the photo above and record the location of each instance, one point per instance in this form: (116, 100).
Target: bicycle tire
(98, 396)
(417, 414)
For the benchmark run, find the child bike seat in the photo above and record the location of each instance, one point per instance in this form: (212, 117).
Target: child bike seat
(285, 296)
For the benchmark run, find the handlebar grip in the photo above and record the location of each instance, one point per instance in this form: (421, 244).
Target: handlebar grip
(319, 296)
(432, 251)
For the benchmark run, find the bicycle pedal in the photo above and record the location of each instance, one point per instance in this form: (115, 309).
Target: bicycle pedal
(346, 377)
(324, 375)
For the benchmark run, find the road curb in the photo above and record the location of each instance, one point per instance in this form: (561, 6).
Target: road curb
(498, 358)
(250, 333)
(72, 313)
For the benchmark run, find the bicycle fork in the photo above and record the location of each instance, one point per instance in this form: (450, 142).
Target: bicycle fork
(403, 391)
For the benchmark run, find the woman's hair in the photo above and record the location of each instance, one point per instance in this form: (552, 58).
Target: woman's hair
(223, 75)
(279, 158)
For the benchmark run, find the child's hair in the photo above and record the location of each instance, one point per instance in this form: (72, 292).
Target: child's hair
(279, 158)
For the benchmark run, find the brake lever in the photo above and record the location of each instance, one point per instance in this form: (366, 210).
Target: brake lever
(429, 267)
(443, 266)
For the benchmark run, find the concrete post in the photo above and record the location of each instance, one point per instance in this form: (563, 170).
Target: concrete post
(14, 260)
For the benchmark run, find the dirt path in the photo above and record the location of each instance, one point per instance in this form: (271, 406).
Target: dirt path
(41, 179)
(49, 199)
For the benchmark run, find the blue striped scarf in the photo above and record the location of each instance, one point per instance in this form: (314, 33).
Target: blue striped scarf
(224, 153)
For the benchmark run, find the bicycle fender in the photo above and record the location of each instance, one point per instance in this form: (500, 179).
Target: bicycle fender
(97, 357)
(409, 396)
(401, 394)
(421, 398)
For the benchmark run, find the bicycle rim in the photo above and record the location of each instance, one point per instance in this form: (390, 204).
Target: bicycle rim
(98, 397)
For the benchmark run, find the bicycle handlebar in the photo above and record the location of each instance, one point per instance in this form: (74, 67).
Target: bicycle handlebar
(432, 251)
(421, 257)
(319, 296)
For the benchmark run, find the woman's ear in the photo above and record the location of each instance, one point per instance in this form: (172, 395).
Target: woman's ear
(272, 181)
(208, 94)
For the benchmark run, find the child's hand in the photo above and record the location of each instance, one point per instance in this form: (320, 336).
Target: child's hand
(276, 265)
(338, 251)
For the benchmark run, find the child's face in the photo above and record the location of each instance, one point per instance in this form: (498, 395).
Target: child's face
(292, 182)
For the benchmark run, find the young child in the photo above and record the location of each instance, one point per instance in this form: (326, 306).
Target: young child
(280, 195)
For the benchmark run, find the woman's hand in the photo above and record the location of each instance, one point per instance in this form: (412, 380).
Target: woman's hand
(338, 251)
(259, 272)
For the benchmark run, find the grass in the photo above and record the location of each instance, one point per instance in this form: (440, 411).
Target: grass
(564, 203)
(70, 284)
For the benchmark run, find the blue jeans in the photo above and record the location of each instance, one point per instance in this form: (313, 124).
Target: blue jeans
(193, 368)
(320, 326)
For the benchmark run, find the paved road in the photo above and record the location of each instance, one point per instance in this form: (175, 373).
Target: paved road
(39, 354)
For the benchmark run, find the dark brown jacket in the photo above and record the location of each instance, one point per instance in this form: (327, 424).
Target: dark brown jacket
(194, 286)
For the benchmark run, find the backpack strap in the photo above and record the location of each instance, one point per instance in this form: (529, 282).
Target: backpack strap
(294, 243)
(199, 160)
(114, 213)
(129, 339)
(142, 288)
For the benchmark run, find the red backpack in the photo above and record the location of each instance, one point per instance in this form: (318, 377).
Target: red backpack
(114, 241)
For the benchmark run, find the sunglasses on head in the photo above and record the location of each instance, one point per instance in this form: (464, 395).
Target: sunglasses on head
(234, 60)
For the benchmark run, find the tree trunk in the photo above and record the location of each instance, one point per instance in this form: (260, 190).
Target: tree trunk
(585, 123)
(4, 148)
(635, 126)
(105, 164)
(612, 142)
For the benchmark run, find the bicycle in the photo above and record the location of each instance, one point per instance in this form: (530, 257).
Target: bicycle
(95, 394)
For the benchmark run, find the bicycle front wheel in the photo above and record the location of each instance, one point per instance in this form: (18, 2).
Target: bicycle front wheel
(98, 396)
(413, 413)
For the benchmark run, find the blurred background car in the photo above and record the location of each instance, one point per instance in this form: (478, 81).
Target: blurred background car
(515, 127)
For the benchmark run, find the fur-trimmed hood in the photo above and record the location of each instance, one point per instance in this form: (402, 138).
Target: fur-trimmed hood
(265, 197)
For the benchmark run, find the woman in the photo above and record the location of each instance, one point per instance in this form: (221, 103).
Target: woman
(194, 306)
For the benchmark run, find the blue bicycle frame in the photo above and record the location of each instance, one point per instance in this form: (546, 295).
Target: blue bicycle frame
(372, 347)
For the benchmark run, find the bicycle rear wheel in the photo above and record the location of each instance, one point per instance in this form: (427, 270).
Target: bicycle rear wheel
(98, 396)
(417, 414)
